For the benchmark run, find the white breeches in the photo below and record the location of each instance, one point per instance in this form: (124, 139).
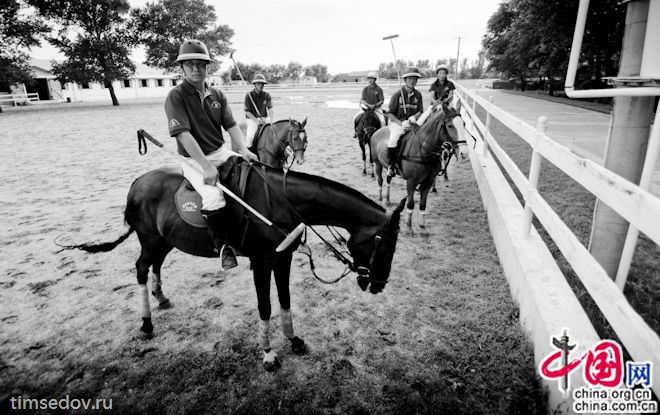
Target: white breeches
(212, 197)
(251, 130)
(396, 131)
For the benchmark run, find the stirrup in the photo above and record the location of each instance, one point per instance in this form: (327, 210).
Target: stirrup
(227, 258)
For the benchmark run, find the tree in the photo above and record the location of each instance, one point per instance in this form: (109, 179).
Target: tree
(293, 70)
(95, 39)
(318, 71)
(163, 25)
(527, 38)
(17, 33)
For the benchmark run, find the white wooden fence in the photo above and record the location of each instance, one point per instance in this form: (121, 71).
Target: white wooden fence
(636, 205)
(16, 99)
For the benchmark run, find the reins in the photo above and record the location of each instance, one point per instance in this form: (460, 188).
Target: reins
(351, 266)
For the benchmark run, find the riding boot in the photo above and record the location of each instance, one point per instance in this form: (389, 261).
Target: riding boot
(217, 226)
(392, 157)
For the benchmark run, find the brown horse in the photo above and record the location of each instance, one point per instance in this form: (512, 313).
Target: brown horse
(421, 160)
(273, 141)
(293, 198)
(365, 126)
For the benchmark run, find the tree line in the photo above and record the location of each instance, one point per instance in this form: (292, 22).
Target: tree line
(530, 40)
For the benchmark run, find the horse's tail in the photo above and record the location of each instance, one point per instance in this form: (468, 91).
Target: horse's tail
(102, 247)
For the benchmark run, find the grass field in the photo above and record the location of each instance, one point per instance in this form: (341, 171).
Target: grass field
(443, 337)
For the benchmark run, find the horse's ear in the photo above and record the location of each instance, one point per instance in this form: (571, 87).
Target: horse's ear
(303, 123)
(293, 124)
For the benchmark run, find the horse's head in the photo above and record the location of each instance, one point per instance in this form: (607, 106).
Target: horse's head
(297, 139)
(368, 124)
(439, 132)
(373, 252)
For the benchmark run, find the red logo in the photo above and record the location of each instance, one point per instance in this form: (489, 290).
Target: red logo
(603, 364)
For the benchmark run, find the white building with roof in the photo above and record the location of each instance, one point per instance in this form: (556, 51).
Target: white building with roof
(146, 82)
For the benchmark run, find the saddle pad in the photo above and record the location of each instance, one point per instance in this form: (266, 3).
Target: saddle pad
(189, 204)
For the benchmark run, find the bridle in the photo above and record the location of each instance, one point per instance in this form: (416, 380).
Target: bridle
(287, 146)
(364, 271)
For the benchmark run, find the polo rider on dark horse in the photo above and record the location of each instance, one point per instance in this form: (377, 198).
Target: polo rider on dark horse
(405, 107)
(199, 137)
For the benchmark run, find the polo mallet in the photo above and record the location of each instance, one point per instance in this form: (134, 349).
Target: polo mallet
(238, 70)
(289, 237)
(390, 37)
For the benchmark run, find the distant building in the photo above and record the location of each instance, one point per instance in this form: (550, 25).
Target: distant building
(355, 76)
(147, 82)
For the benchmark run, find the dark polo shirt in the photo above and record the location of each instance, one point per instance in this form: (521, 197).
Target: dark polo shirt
(404, 104)
(441, 91)
(373, 94)
(261, 100)
(202, 116)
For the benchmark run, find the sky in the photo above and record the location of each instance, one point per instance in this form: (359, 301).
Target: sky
(345, 35)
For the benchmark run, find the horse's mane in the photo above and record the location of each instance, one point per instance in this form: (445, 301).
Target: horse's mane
(432, 125)
(322, 182)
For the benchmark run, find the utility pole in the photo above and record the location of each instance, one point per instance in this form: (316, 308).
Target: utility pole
(458, 53)
(625, 150)
(396, 66)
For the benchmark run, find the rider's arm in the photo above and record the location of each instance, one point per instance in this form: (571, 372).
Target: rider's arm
(393, 109)
(381, 98)
(188, 142)
(250, 116)
(269, 107)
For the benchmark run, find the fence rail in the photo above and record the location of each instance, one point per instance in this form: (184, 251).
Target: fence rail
(635, 204)
(15, 99)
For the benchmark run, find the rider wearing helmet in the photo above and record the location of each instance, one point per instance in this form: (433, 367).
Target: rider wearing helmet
(405, 106)
(258, 108)
(196, 113)
(441, 94)
(372, 97)
(442, 90)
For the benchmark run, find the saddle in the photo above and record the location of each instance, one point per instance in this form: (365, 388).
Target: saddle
(189, 203)
(257, 136)
(410, 146)
(235, 170)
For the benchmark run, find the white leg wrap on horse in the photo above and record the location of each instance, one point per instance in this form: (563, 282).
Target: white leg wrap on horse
(144, 294)
(264, 329)
(156, 287)
(287, 323)
(270, 356)
(409, 212)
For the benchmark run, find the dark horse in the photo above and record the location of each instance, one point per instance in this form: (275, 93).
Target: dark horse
(272, 140)
(367, 123)
(421, 160)
(151, 212)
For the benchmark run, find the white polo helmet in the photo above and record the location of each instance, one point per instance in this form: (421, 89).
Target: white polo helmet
(193, 49)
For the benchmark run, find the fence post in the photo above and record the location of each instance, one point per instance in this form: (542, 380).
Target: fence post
(487, 132)
(534, 170)
(652, 155)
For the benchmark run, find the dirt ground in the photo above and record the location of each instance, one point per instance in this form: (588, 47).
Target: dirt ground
(443, 337)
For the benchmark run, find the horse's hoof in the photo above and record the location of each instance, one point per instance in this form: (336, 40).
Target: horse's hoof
(422, 226)
(167, 304)
(372, 175)
(145, 336)
(364, 172)
(299, 347)
(272, 366)
(434, 191)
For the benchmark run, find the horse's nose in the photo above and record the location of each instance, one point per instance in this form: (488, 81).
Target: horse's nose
(301, 159)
